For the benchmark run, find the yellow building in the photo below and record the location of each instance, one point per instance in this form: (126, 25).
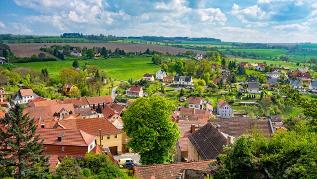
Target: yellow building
(108, 136)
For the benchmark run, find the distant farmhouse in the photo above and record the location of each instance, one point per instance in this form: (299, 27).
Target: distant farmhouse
(183, 80)
(224, 110)
(3, 61)
(24, 96)
(135, 91)
(160, 75)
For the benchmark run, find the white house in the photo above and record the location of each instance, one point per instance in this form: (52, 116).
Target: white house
(313, 86)
(183, 80)
(2, 97)
(297, 84)
(199, 56)
(199, 103)
(3, 61)
(148, 77)
(253, 87)
(75, 53)
(273, 74)
(135, 91)
(24, 96)
(224, 110)
(160, 74)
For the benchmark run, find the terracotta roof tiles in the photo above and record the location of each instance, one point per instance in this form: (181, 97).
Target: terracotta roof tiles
(168, 171)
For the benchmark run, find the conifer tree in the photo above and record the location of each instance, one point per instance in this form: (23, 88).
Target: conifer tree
(21, 150)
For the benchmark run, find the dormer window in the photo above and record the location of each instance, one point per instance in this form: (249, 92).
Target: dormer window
(42, 126)
(60, 137)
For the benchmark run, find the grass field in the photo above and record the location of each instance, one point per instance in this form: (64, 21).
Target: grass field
(117, 68)
(290, 65)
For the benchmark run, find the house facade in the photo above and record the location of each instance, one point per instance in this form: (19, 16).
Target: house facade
(183, 80)
(2, 95)
(253, 88)
(273, 74)
(135, 91)
(24, 96)
(107, 135)
(148, 77)
(199, 103)
(313, 86)
(224, 110)
(66, 142)
(3, 61)
(160, 75)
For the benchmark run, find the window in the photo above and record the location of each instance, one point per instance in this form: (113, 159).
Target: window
(63, 149)
(108, 137)
(115, 136)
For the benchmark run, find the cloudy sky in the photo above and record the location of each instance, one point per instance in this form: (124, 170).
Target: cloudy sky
(229, 20)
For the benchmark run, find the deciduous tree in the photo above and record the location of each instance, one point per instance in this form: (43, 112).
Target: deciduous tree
(153, 134)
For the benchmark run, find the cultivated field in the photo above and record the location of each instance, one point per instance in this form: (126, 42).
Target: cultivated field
(117, 68)
(28, 49)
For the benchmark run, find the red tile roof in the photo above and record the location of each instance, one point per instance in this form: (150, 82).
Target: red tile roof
(2, 114)
(77, 102)
(194, 114)
(135, 89)
(195, 100)
(108, 112)
(70, 137)
(99, 100)
(117, 108)
(169, 171)
(222, 103)
(147, 75)
(91, 126)
(26, 92)
(47, 109)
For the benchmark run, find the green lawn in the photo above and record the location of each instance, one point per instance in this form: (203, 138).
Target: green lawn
(117, 68)
(290, 65)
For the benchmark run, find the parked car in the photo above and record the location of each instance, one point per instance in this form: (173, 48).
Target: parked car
(123, 161)
(129, 164)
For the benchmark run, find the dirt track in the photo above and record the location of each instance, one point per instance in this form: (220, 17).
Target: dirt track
(28, 49)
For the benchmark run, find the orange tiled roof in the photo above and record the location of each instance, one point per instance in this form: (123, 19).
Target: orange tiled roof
(108, 112)
(99, 100)
(169, 171)
(117, 108)
(71, 137)
(194, 100)
(222, 103)
(135, 89)
(91, 126)
(26, 92)
(2, 114)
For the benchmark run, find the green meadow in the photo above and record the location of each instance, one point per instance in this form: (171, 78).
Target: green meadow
(117, 68)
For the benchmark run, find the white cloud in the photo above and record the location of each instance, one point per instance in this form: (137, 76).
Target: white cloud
(2, 25)
(264, 1)
(212, 15)
(19, 28)
(248, 14)
(291, 27)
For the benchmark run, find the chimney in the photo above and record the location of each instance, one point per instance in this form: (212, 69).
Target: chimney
(229, 138)
(60, 137)
(192, 128)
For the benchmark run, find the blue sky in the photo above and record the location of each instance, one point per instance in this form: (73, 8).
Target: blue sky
(229, 20)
